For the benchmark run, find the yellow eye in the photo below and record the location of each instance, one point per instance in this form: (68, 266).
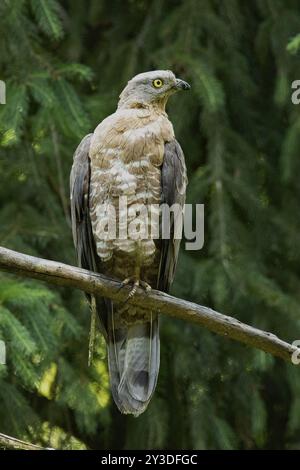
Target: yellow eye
(158, 83)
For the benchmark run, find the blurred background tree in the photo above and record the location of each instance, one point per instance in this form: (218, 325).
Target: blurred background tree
(64, 64)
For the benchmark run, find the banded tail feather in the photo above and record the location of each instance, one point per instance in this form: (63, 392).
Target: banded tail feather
(133, 361)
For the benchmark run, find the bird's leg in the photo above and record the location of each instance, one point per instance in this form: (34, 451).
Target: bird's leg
(136, 282)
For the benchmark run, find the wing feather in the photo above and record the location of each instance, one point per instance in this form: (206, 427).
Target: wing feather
(173, 182)
(81, 224)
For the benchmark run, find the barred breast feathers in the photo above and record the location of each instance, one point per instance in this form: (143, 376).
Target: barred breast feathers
(126, 153)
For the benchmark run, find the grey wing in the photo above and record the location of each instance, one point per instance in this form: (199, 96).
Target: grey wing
(173, 183)
(81, 224)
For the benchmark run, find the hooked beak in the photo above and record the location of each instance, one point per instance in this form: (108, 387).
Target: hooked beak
(182, 85)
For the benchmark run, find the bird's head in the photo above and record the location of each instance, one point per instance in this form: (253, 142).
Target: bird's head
(153, 87)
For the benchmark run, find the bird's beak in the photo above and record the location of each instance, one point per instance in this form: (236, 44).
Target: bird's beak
(182, 85)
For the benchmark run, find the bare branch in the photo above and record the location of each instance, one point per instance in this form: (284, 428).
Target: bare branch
(65, 275)
(8, 442)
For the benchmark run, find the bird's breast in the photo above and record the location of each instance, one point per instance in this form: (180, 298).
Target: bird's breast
(126, 154)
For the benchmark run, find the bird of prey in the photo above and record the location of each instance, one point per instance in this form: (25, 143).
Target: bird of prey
(132, 153)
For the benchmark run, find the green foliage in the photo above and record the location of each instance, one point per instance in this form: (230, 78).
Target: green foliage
(64, 64)
(294, 44)
(46, 13)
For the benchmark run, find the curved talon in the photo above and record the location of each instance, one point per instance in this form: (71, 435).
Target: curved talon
(136, 283)
(145, 286)
(125, 283)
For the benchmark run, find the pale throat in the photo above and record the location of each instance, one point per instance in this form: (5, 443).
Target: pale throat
(158, 104)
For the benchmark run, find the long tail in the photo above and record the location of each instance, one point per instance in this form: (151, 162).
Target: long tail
(133, 359)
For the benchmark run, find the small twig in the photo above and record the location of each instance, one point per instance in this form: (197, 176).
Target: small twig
(93, 283)
(9, 442)
(92, 330)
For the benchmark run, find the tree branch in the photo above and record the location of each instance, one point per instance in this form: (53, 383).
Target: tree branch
(8, 442)
(87, 281)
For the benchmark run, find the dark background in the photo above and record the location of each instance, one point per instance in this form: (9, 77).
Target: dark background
(64, 64)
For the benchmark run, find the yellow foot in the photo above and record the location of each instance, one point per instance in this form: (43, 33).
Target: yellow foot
(135, 284)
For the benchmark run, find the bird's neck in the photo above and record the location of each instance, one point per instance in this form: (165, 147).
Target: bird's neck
(158, 106)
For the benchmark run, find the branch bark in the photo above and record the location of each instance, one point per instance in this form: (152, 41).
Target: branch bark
(12, 443)
(93, 283)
